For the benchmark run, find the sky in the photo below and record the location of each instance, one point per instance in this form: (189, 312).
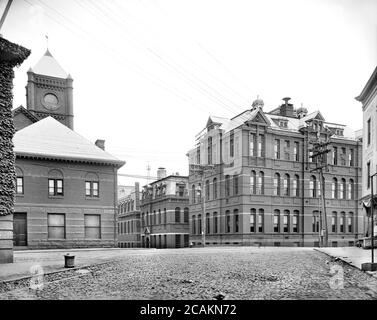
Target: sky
(148, 73)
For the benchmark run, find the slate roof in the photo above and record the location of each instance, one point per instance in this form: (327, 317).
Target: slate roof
(48, 66)
(50, 139)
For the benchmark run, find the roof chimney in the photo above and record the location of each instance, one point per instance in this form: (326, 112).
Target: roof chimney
(100, 144)
(161, 173)
(286, 109)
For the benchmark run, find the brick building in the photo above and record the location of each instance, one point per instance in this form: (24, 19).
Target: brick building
(261, 189)
(66, 185)
(165, 212)
(128, 221)
(368, 98)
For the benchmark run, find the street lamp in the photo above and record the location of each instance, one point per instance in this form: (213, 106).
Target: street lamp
(371, 266)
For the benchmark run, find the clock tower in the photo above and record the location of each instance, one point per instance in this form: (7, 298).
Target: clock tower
(49, 91)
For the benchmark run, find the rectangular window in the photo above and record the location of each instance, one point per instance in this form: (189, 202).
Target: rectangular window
(349, 224)
(343, 157)
(277, 149)
(91, 189)
(92, 224)
(231, 145)
(335, 156)
(165, 216)
(215, 222)
(208, 224)
(198, 155)
(55, 187)
(209, 150)
(252, 145)
(227, 186)
(351, 158)
(296, 151)
(261, 146)
(20, 185)
(286, 150)
(369, 132)
(235, 185)
(56, 226)
(368, 175)
(177, 215)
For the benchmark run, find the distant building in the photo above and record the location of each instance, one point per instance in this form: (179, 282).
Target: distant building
(66, 185)
(165, 212)
(368, 98)
(262, 191)
(128, 222)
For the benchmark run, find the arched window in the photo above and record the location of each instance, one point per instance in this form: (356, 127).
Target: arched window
(286, 221)
(215, 222)
(351, 192)
(227, 185)
(236, 221)
(227, 221)
(343, 189)
(55, 183)
(334, 188)
(207, 190)
(333, 221)
(185, 214)
(208, 225)
(252, 182)
(261, 183)
(199, 224)
(252, 219)
(295, 226)
(350, 222)
(193, 193)
(260, 220)
(276, 220)
(214, 188)
(193, 223)
(199, 193)
(277, 184)
(313, 186)
(342, 221)
(296, 186)
(160, 218)
(177, 215)
(286, 185)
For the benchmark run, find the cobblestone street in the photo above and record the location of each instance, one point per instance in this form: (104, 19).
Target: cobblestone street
(203, 273)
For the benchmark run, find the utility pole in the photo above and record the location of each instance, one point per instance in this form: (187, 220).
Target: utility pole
(6, 10)
(320, 156)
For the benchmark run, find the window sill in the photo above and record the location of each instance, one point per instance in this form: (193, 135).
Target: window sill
(56, 197)
(20, 195)
(92, 198)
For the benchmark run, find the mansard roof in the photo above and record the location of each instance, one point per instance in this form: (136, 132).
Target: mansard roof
(50, 139)
(48, 66)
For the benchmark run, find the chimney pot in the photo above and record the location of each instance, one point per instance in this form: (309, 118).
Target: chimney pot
(161, 173)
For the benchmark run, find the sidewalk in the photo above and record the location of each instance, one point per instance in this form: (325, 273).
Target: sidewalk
(352, 255)
(52, 260)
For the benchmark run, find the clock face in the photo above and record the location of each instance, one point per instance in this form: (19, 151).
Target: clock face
(50, 101)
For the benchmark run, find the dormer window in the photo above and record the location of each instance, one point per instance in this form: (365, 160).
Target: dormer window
(283, 123)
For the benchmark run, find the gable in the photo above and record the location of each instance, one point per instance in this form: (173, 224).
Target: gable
(260, 118)
(22, 120)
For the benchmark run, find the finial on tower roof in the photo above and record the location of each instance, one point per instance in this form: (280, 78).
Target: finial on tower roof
(258, 103)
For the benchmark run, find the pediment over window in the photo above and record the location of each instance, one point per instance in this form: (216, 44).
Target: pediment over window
(259, 118)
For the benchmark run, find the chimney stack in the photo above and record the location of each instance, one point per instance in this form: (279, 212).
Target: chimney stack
(161, 173)
(100, 144)
(286, 109)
